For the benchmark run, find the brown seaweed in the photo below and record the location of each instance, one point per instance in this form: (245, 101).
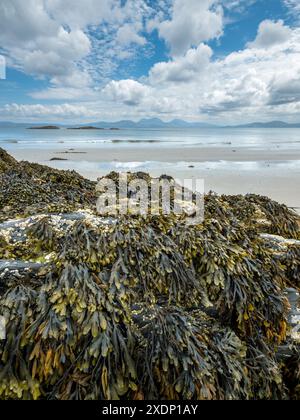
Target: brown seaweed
(142, 307)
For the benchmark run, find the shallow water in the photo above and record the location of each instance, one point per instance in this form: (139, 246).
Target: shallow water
(271, 139)
(165, 167)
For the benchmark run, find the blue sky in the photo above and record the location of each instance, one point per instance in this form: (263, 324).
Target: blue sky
(226, 61)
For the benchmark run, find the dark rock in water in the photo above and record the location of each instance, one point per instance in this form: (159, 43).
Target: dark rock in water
(12, 141)
(85, 128)
(45, 127)
(73, 152)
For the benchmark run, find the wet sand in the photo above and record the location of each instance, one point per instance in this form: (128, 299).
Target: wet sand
(274, 173)
(161, 154)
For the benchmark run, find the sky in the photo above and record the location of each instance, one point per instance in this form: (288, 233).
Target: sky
(218, 61)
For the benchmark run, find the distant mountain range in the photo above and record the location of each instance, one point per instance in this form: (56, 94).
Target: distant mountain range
(155, 123)
(271, 124)
(151, 123)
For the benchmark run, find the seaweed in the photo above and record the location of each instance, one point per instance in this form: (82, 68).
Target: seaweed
(142, 307)
(27, 188)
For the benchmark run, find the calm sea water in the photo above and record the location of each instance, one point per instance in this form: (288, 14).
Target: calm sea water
(267, 139)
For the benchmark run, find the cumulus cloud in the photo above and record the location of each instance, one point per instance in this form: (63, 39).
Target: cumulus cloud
(285, 88)
(64, 40)
(257, 79)
(182, 69)
(79, 50)
(248, 82)
(234, 94)
(191, 23)
(38, 44)
(128, 92)
(242, 85)
(271, 33)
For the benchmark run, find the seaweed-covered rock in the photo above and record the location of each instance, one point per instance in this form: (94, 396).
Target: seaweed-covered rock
(146, 306)
(14, 273)
(27, 189)
(6, 161)
(182, 357)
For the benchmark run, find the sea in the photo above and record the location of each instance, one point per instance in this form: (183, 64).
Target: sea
(262, 138)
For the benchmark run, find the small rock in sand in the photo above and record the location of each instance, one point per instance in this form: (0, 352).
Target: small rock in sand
(53, 159)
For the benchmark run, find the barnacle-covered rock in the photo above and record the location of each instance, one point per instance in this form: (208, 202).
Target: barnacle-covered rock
(14, 273)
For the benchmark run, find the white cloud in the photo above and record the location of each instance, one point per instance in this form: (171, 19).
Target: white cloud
(242, 85)
(245, 85)
(2, 67)
(285, 87)
(271, 33)
(128, 92)
(38, 44)
(78, 49)
(256, 81)
(191, 23)
(293, 6)
(238, 6)
(182, 69)
(79, 14)
(64, 93)
(235, 94)
(47, 111)
(63, 40)
(127, 35)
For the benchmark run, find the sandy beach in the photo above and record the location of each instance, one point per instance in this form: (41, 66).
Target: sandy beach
(225, 170)
(160, 153)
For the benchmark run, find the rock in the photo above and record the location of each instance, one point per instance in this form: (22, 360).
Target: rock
(45, 127)
(206, 306)
(14, 273)
(85, 128)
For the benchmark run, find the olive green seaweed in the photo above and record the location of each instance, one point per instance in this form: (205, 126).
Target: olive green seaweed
(142, 307)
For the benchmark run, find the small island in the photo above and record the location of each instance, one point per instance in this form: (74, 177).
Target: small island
(45, 127)
(85, 128)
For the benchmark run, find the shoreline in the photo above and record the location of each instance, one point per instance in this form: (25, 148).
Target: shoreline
(274, 174)
(160, 154)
